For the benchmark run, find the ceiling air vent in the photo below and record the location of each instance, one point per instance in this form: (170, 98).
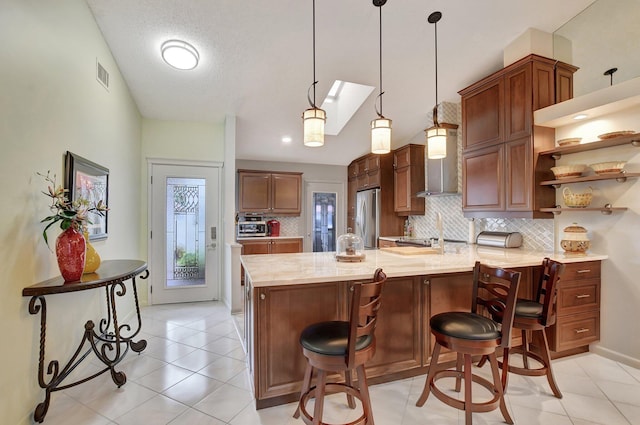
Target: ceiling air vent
(102, 75)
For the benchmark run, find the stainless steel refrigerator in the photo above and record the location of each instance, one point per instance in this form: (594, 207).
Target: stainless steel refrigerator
(368, 216)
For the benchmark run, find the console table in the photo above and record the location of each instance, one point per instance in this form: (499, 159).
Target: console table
(110, 342)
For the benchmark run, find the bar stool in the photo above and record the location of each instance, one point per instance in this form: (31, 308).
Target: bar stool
(533, 317)
(475, 334)
(341, 346)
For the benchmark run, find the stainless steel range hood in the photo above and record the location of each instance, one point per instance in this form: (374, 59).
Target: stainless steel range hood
(442, 174)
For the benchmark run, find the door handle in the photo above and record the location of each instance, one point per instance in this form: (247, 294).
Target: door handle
(213, 245)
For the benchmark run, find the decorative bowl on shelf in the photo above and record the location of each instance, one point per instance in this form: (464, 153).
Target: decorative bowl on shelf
(577, 200)
(569, 141)
(611, 167)
(568, 171)
(615, 134)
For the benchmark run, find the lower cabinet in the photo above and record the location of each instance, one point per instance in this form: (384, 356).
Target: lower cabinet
(271, 246)
(281, 313)
(577, 308)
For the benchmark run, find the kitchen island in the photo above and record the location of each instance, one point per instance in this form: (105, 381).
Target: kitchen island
(285, 293)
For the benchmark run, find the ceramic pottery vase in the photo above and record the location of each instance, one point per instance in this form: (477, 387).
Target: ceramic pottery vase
(92, 258)
(70, 250)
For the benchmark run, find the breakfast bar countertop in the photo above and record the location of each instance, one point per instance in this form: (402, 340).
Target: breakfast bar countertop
(316, 267)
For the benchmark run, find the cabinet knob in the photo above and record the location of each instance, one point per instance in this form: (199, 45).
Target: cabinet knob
(427, 282)
(263, 296)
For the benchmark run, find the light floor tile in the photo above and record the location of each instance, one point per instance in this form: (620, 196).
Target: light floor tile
(631, 412)
(223, 345)
(117, 402)
(223, 369)
(159, 410)
(64, 410)
(192, 389)
(196, 360)
(242, 380)
(592, 409)
(171, 352)
(163, 378)
(195, 417)
(225, 402)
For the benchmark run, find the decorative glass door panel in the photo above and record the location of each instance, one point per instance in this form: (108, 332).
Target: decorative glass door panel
(324, 222)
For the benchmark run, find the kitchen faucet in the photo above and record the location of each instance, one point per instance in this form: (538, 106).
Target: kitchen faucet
(440, 230)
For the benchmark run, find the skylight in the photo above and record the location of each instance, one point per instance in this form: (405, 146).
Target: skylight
(342, 101)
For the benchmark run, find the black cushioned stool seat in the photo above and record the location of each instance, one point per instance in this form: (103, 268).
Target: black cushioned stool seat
(331, 338)
(474, 334)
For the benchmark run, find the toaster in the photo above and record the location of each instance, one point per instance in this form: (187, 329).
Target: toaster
(500, 239)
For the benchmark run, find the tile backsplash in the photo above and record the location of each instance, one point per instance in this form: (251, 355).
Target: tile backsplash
(537, 234)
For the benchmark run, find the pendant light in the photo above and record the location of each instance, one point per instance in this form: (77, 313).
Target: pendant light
(381, 126)
(314, 118)
(436, 135)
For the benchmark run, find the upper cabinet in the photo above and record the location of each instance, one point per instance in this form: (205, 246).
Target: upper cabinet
(274, 193)
(501, 169)
(408, 180)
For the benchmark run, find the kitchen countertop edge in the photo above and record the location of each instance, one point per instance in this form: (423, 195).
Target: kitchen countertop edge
(308, 267)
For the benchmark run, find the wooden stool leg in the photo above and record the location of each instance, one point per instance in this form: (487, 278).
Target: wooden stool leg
(505, 369)
(544, 348)
(306, 384)
(468, 382)
(497, 382)
(433, 366)
(525, 348)
(349, 381)
(319, 402)
(364, 391)
(459, 370)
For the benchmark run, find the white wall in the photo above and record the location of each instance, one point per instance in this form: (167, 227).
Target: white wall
(617, 235)
(50, 102)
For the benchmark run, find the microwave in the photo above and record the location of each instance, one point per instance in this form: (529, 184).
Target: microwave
(247, 229)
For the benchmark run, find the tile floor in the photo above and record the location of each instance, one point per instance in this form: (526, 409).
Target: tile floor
(193, 372)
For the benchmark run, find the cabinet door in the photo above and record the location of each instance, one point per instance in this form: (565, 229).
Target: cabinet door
(482, 179)
(519, 175)
(286, 246)
(401, 187)
(398, 330)
(483, 115)
(408, 179)
(564, 84)
(445, 293)
(517, 103)
(287, 190)
(255, 247)
(254, 189)
(361, 166)
(284, 312)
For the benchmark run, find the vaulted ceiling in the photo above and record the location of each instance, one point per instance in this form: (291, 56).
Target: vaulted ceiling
(256, 61)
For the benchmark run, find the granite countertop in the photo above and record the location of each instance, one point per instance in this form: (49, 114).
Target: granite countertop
(315, 267)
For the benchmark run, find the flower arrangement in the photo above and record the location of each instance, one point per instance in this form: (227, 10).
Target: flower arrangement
(69, 214)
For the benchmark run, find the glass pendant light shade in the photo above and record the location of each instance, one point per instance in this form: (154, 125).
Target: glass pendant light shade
(313, 120)
(381, 136)
(436, 143)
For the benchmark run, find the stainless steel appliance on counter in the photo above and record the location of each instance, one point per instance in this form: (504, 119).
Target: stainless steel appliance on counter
(368, 216)
(250, 227)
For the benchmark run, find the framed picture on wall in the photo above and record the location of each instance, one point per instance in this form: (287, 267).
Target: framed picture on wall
(88, 180)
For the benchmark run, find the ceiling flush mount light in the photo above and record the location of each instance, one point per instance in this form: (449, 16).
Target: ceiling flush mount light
(580, 117)
(381, 126)
(436, 135)
(180, 54)
(314, 118)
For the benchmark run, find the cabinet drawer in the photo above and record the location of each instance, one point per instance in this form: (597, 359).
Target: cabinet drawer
(578, 297)
(581, 271)
(576, 331)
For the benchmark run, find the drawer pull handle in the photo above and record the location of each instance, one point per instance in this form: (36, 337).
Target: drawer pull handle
(263, 296)
(583, 296)
(582, 330)
(584, 271)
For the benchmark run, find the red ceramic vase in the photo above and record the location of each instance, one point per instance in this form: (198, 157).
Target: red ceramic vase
(70, 250)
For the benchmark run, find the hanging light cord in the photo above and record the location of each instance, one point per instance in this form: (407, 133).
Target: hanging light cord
(381, 92)
(313, 103)
(434, 18)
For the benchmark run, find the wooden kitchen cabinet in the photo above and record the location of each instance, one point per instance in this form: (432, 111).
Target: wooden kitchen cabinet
(408, 180)
(274, 193)
(577, 308)
(281, 313)
(501, 167)
(271, 246)
(399, 334)
(374, 171)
